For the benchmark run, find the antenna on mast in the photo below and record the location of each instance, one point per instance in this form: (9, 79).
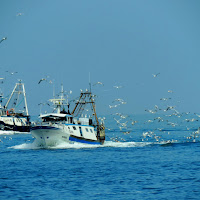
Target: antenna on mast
(62, 91)
(53, 90)
(90, 83)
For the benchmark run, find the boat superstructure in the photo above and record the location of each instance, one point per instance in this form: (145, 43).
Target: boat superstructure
(14, 115)
(64, 126)
(86, 98)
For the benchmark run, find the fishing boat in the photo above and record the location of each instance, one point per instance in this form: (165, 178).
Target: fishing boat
(70, 127)
(14, 115)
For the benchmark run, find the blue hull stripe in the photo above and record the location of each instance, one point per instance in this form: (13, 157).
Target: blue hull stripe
(73, 139)
(78, 125)
(43, 127)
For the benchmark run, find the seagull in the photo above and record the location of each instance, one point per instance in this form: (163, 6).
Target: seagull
(2, 79)
(118, 100)
(114, 106)
(123, 116)
(12, 73)
(100, 83)
(42, 79)
(155, 75)
(170, 91)
(118, 121)
(40, 104)
(150, 111)
(197, 115)
(117, 87)
(124, 124)
(126, 132)
(4, 38)
(133, 122)
(19, 14)
(70, 92)
(169, 108)
(165, 99)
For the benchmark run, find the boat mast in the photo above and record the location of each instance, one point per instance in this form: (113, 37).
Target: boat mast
(77, 103)
(25, 99)
(10, 96)
(90, 83)
(21, 90)
(59, 102)
(93, 104)
(85, 98)
(94, 109)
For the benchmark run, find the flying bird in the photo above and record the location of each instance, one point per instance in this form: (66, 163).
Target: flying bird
(114, 106)
(118, 100)
(19, 14)
(1, 79)
(170, 91)
(165, 99)
(99, 83)
(42, 79)
(155, 75)
(117, 87)
(12, 73)
(4, 38)
(133, 122)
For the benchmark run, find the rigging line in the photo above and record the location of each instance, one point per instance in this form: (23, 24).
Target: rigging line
(19, 103)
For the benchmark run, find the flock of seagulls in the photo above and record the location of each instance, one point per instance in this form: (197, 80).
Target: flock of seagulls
(123, 120)
(164, 119)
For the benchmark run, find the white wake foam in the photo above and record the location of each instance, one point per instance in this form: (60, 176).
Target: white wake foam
(126, 144)
(25, 146)
(35, 145)
(12, 132)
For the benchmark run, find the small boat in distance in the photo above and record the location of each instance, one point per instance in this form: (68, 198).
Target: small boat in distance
(14, 115)
(64, 126)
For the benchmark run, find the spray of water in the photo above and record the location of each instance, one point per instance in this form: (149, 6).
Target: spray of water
(107, 144)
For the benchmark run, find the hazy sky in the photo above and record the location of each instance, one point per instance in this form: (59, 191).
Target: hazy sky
(119, 42)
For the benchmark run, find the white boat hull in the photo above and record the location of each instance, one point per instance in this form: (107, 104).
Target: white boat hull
(47, 135)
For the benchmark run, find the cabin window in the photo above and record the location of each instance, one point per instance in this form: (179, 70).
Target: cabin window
(80, 131)
(91, 131)
(74, 127)
(86, 129)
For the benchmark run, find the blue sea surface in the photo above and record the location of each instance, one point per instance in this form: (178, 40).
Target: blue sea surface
(148, 160)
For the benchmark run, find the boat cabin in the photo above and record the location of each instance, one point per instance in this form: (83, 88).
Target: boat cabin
(56, 117)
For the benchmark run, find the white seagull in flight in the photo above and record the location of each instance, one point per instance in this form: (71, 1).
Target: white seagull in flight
(4, 38)
(42, 79)
(100, 83)
(155, 75)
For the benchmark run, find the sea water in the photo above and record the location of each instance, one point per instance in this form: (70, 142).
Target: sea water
(147, 160)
